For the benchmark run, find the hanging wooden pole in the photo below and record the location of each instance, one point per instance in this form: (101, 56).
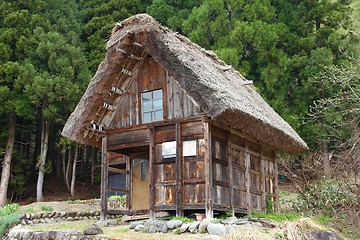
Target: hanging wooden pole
(104, 179)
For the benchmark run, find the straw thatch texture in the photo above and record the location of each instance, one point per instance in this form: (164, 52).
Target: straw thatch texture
(219, 90)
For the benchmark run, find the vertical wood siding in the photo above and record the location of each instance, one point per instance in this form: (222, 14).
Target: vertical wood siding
(151, 76)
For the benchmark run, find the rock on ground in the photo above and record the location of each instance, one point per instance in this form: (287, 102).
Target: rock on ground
(93, 230)
(172, 224)
(216, 229)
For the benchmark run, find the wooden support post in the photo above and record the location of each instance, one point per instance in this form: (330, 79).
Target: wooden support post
(128, 183)
(152, 174)
(277, 202)
(230, 171)
(208, 172)
(104, 179)
(262, 182)
(178, 167)
(247, 178)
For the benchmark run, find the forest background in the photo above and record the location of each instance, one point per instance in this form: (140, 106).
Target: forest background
(301, 55)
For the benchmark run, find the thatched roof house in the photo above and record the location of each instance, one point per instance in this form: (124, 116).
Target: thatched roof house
(221, 92)
(203, 100)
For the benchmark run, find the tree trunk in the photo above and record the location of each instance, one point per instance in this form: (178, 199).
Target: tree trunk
(72, 188)
(68, 170)
(43, 153)
(63, 152)
(326, 159)
(5, 175)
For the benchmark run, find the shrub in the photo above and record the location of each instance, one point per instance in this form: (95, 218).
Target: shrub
(8, 217)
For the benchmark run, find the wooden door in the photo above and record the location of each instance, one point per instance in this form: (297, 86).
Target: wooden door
(140, 182)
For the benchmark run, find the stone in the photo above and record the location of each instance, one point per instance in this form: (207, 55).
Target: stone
(194, 226)
(76, 218)
(323, 235)
(69, 219)
(138, 228)
(203, 225)
(152, 229)
(47, 220)
(111, 222)
(256, 224)
(162, 226)
(21, 216)
(135, 223)
(228, 221)
(216, 229)
(172, 224)
(101, 223)
(42, 221)
(93, 230)
(184, 227)
(242, 221)
(23, 222)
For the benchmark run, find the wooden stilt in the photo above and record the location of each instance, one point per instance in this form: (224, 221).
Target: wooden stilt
(208, 172)
(104, 179)
(178, 163)
(277, 202)
(247, 178)
(262, 181)
(230, 171)
(152, 175)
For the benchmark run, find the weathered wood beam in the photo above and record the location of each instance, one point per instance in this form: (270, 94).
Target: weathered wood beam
(104, 179)
(178, 169)
(247, 179)
(230, 171)
(152, 174)
(277, 202)
(128, 183)
(208, 172)
(117, 170)
(262, 181)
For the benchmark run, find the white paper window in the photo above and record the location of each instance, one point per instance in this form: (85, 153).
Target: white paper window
(169, 149)
(189, 148)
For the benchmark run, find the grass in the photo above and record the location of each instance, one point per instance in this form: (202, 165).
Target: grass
(74, 225)
(278, 217)
(183, 219)
(8, 217)
(46, 208)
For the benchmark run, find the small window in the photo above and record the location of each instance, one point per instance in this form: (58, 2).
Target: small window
(189, 148)
(169, 149)
(143, 170)
(152, 106)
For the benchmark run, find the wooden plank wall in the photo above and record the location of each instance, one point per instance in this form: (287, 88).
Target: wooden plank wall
(151, 76)
(243, 178)
(179, 180)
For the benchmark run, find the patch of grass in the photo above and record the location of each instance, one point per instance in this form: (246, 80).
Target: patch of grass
(279, 217)
(183, 219)
(7, 221)
(322, 218)
(75, 225)
(29, 210)
(46, 208)
(8, 217)
(8, 209)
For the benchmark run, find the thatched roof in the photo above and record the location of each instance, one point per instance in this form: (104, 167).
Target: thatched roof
(222, 93)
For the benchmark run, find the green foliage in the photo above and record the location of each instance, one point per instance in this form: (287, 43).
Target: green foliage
(98, 21)
(279, 217)
(46, 208)
(183, 219)
(9, 209)
(7, 221)
(326, 195)
(8, 217)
